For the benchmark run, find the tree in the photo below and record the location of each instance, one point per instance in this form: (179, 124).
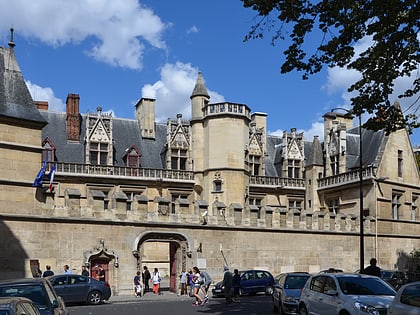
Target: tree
(392, 26)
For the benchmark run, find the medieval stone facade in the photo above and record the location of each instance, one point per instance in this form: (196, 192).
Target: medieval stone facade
(209, 191)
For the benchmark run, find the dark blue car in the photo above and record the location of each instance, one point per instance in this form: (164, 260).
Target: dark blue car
(252, 282)
(80, 289)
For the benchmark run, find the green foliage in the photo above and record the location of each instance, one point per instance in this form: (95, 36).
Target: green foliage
(392, 26)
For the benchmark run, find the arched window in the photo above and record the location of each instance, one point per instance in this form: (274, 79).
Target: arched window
(132, 157)
(48, 150)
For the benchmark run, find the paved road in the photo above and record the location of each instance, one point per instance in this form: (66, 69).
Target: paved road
(170, 303)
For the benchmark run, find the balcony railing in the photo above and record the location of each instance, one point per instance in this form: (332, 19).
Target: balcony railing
(277, 181)
(121, 171)
(346, 178)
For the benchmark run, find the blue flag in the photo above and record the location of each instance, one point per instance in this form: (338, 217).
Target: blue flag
(38, 179)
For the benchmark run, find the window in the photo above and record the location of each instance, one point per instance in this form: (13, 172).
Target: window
(316, 284)
(256, 202)
(48, 150)
(333, 205)
(329, 285)
(400, 163)
(295, 204)
(131, 197)
(98, 153)
(414, 207)
(334, 165)
(254, 164)
(106, 200)
(217, 185)
(293, 169)
(178, 159)
(174, 198)
(132, 157)
(396, 205)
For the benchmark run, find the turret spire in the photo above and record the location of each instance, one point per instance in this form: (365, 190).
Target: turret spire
(200, 88)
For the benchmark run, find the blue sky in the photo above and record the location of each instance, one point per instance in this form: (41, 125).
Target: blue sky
(112, 53)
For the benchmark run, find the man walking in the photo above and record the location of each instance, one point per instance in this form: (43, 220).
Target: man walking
(206, 284)
(227, 284)
(146, 278)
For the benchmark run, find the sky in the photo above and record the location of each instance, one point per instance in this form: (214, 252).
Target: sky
(112, 53)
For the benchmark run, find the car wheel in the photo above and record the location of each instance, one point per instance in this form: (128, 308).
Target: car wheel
(94, 297)
(269, 290)
(303, 310)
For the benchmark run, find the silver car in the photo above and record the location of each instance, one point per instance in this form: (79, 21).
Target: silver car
(407, 300)
(345, 294)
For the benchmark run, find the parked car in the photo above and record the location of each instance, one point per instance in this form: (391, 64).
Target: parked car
(80, 289)
(17, 306)
(345, 293)
(287, 289)
(394, 277)
(252, 282)
(407, 300)
(39, 290)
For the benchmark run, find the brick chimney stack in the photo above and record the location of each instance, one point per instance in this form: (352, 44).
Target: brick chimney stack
(42, 105)
(73, 119)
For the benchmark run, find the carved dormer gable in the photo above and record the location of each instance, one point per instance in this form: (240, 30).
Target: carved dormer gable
(294, 151)
(256, 145)
(99, 138)
(178, 144)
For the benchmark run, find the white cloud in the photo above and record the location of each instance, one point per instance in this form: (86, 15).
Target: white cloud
(192, 29)
(317, 129)
(39, 93)
(118, 29)
(172, 92)
(340, 79)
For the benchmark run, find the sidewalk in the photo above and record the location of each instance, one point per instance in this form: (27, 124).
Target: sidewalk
(149, 296)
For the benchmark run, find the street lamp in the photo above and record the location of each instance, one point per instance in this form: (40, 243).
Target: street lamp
(361, 238)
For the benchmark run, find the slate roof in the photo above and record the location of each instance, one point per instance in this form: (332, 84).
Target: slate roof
(15, 100)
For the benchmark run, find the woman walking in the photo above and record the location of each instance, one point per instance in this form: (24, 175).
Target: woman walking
(197, 280)
(156, 281)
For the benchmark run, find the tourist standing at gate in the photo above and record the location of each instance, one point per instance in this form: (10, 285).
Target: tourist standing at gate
(67, 270)
(197, 280)
(138, 286)
(206, 284)
(146, 278)
(85, 272)
(183, 280)
(47, 272)
(156, 279)
(227, 283)
(236, 284)
(101, 276)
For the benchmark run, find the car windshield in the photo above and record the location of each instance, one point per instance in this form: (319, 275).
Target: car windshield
(364, 286)
(295, 282)
(32, 292)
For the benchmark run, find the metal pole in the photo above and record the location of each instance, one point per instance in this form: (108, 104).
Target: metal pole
(362, 243)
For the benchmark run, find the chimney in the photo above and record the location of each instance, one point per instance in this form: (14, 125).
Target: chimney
(41, 105)
(145, 114)
(73, 120)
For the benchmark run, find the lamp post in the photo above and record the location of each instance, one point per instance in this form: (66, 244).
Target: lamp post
(361, 235)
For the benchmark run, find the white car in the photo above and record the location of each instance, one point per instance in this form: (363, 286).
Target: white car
(345, 294)
(407, 300)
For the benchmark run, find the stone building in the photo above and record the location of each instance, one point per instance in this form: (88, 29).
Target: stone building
(209, 191)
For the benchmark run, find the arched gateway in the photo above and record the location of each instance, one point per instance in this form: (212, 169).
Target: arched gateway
(179, 250)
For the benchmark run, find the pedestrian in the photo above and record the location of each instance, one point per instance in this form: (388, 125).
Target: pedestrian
(85, 272)
(146, 278)
(197, 282)
(101, 275)
(156, 279)
(67, 270)
(372, 270)
(236, 284)
(190, 283)
(207, 280)
(227, 284)
(47, 272)
(138, 286)
(182, 283)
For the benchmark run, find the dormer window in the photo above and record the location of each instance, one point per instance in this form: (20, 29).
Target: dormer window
(98, 153)
(132, 157)
(178, 159)
(48, 150)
